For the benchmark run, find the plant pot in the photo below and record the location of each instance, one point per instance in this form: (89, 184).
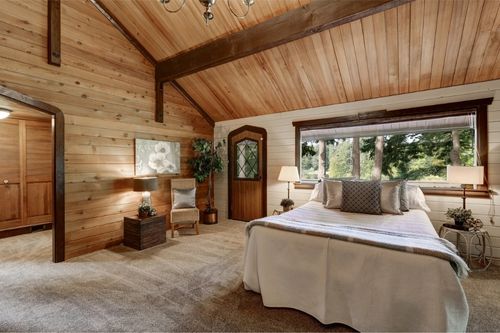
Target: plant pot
(287, 208)
(210, 216)
(459, 222)
(143, 215)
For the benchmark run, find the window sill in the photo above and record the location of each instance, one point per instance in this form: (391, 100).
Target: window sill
(449, 192)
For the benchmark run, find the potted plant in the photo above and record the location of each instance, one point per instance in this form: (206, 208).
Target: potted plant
(207, 160)
(459, 215)
(144, 210)
(287, 204)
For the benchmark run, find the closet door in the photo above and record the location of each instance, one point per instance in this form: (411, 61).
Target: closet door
(10, 174)
(39, 159)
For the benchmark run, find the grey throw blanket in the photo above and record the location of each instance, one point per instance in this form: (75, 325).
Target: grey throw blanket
(405, 242)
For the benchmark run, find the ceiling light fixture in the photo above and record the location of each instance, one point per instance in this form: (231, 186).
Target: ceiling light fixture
(4, 113)
(208, 4)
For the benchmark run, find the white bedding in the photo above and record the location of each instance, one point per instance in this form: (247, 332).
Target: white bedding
(366, 287)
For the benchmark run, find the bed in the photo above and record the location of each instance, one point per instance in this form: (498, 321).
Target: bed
(355, 283)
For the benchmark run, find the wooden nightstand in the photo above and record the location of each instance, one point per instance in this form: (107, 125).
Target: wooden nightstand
(143, 233)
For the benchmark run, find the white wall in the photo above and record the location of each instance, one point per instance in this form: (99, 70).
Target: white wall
(281, 148)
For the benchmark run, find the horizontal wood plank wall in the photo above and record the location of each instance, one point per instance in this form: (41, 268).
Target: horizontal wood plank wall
(281, 148)
(106, 90)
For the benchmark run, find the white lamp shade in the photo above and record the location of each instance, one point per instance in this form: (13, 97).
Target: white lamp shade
(289, 174)
(465, 175)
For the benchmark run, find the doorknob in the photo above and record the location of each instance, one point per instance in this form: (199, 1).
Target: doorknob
(5, 181)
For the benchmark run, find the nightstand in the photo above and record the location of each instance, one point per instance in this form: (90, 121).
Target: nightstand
(143, 233)
(482, 247)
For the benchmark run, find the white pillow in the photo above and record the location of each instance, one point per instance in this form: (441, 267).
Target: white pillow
(317, 193)
(333, 191)
(390, 199)
(416, 198)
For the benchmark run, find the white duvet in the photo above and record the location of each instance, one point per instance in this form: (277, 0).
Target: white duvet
(366, 287)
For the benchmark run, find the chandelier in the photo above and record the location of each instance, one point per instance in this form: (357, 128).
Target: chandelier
(208, 4)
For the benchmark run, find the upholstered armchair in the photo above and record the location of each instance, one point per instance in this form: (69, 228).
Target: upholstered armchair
(184, 212)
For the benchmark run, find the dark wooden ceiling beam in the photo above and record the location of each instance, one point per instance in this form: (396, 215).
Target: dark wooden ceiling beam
(54, 32)
(193, 103)
(317, 16)
(158, 85)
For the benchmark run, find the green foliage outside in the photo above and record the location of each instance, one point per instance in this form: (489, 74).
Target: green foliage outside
(422, 156)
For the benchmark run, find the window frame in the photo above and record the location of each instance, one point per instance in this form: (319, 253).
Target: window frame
(478, 106)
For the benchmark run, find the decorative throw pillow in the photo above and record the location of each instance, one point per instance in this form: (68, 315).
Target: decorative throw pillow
(416, 198)
(390, 200)
(324, 180)
(317, 193)
(333, 190)
(184, 198)
(403, 194)
(361, 197)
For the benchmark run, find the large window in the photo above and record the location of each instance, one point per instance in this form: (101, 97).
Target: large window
(417, 150)
(415, 144)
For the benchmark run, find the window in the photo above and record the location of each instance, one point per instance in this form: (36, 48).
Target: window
(415, 144)
(417, 150)
(247, 159)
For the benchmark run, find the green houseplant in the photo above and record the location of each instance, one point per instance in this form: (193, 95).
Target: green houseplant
(459, 215)
(207, 160)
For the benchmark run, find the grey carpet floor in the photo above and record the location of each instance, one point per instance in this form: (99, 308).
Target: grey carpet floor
(191, 283)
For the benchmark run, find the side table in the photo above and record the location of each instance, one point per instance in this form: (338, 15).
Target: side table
(482, 247)
(141, 233)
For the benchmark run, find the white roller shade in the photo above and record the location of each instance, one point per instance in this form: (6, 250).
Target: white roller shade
(404, 127)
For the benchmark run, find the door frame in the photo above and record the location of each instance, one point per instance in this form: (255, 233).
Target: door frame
(230, 168)
(58, 226)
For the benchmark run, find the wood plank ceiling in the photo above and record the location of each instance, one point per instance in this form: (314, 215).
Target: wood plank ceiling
(425, 44)
(164, 34)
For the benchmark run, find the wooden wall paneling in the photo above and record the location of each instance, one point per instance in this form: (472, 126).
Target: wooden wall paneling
(54, 32)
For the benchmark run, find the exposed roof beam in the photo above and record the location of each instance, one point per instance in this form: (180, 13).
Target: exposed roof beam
(317, 16)
(195, 105)
(54, 32)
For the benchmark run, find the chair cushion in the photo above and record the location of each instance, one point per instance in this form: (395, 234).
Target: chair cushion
(184, 198)
(185, 215)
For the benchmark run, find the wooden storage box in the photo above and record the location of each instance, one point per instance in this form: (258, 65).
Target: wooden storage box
(143, 233)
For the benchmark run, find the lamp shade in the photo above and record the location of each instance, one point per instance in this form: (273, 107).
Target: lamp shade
(289, 174)
(4, 113)
(465, 175)
(144, 184)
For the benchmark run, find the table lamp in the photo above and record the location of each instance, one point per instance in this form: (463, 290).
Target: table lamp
(289, 174)
(146, 185)
(465, 175)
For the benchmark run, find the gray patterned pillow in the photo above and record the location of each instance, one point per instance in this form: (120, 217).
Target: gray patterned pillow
(361, 197)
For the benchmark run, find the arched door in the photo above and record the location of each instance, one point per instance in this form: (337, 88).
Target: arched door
(247, 173)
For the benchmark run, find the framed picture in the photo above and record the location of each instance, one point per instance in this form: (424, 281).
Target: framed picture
(157, 157)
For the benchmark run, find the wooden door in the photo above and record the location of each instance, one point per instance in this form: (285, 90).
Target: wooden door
(26, 172)
(10, 175)
(247, 172)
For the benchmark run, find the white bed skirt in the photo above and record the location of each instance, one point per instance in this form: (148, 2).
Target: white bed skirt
(365, 287)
